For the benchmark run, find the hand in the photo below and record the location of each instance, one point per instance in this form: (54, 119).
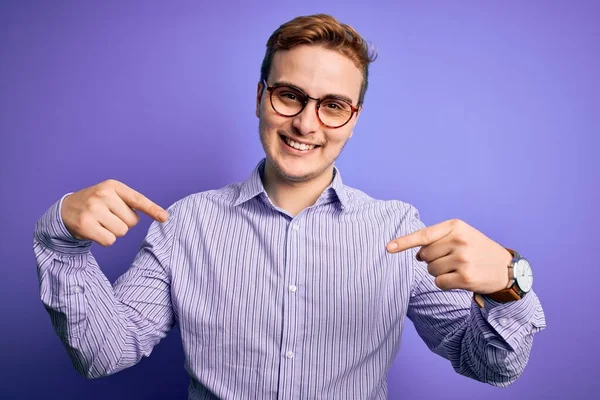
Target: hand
(458, 256)
(103, 212)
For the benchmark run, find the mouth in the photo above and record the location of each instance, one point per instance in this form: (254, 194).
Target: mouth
(300, 147)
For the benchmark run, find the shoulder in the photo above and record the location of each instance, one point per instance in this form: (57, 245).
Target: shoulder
(200, 203)
(396, 217)
(397, 208)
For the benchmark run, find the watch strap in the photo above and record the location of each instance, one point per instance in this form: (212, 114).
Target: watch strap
(511, 293)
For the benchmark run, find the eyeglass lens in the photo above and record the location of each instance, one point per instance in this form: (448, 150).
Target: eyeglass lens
(331, 111)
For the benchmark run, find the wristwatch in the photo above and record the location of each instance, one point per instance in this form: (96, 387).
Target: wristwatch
(520, 281)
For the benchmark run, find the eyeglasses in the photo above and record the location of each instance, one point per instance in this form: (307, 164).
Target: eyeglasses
(289, 101)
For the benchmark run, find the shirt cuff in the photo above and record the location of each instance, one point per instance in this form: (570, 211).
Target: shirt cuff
(51, 231)
(508, 322)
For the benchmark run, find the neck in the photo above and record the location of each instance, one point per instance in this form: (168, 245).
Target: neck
(291, 196)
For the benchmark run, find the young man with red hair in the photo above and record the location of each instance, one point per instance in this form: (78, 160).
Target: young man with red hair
(290, 284)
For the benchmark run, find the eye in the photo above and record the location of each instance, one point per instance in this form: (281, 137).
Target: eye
(288, 95)
(334, 105)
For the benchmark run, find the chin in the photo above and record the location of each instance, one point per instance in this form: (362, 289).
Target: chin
(291, 171)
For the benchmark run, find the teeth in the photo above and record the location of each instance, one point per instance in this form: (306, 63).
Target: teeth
(299, 146)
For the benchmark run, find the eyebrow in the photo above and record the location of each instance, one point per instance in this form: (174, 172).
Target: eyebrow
(330, 95)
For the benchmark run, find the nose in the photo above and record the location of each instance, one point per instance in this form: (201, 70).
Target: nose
(307, 121)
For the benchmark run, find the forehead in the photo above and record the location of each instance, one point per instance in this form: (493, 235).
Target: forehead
(318, 71)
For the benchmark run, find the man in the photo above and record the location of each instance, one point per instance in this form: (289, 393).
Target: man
(290, 284)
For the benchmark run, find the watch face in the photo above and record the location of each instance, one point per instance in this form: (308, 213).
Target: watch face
(523, 275)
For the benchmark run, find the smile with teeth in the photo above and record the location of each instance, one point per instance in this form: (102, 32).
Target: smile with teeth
(298, 146)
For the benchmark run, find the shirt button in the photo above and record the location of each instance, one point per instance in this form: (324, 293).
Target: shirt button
(503, 321)
(78, 289)
(293, 288)
(295, 227)
(289, 354)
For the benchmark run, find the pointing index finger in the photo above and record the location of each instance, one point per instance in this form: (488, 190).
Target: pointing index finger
(422, 237)
(138, 201)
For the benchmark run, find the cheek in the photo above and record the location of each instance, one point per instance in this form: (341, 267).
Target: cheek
(269, 128)
(266, 123)
(336, 141)
(270, 125)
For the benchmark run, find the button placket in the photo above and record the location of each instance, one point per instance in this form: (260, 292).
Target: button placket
(289, 344)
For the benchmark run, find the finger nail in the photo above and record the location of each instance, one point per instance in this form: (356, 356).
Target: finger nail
(392, 246)
(162, 215)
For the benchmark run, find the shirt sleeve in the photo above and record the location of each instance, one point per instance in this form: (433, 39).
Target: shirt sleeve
(490, 344)
(104, 328)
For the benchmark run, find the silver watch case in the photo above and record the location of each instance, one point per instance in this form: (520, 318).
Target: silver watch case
(520, 273)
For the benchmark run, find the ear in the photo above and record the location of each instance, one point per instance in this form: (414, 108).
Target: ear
(259, 92)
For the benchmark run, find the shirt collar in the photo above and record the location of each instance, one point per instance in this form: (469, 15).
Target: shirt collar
(253, 187)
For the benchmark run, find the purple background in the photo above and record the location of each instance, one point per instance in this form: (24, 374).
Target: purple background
(484, 111)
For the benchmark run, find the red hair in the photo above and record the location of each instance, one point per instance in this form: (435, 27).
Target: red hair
(324, 30)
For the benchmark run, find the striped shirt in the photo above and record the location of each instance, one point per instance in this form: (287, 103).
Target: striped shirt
(272, 306)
